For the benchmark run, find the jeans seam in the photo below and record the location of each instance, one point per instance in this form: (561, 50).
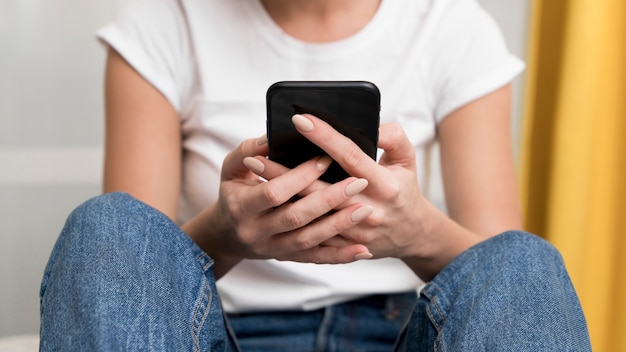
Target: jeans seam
(322, 331)
(432, 320)
(203, 307)
(206, 265)
(437, 343)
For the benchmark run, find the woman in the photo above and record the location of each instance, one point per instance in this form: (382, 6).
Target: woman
(185, 85)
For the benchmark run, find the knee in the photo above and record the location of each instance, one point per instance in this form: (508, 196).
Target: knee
(101, 210)
(522, 249)
(106, 231)
(90, 228)
(108, 215)
(104, 222)
(519, 261)
(511, 260)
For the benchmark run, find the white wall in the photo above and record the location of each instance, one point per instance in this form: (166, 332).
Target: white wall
(50, 137)
(51, 131)
(513, 16)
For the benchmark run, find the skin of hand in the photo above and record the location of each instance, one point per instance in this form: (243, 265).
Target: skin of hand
(403, 224)
(257, 220)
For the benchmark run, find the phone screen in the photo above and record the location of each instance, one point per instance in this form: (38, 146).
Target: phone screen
(351, 107)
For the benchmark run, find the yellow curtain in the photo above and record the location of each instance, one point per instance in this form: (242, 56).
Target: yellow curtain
(574, 152)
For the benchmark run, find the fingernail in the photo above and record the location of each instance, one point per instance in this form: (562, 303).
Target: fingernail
(302, 123)
(361, 256)
(361, 213)
(254, 165)
(261, 140)
(324, 162)
(355, 187)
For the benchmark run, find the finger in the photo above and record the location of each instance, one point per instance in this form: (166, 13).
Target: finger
(397, 146)
(233, 162)
(330, 255)
(339, 147)
(309, 242)
(279, 190)
(304, 211)
(337, 241)
(256, 146)
(270, 170)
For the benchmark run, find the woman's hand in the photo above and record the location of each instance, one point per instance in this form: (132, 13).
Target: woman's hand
(403, 224)
(393, 228)
(257, 219)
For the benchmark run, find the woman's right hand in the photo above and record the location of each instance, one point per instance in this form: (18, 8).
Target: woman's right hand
(257, 219)
(251, 219)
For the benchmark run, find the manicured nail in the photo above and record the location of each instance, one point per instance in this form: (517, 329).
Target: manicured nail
(361, 256)
(323, 162)
(302, 123)
(361, 213)
(254, 165)
(355, 187)
(261, 140)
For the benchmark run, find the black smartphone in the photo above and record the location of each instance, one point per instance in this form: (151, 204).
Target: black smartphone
(351, 107)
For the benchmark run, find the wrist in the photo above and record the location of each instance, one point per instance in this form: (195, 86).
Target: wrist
(440, 241)
(207, 231)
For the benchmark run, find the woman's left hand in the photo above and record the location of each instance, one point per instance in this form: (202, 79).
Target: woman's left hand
(403, 223)
(394, 227)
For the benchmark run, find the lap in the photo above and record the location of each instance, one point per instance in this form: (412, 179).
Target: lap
(372, 323)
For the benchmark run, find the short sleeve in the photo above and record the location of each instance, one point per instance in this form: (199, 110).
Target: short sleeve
(152, 36)
(470, 57)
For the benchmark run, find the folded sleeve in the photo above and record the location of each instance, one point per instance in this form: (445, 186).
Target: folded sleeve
(469, 58)
(152, 36)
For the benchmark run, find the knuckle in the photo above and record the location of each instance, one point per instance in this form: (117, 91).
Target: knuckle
(246, 236)
(331, 202)
(234, 210)
(337, 227)
(307, 178)
(393, 190)
(302, 243)
(396, 130)
(247, 147)
(376, 219)
(352, 157)
(393, 131)
(273, 195)
(390, 190)
(293, 219)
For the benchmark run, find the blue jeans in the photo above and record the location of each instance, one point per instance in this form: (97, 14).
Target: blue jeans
(367, 324)
(122, 276)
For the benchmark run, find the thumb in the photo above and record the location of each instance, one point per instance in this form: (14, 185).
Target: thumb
(397, 147)
(233, 163)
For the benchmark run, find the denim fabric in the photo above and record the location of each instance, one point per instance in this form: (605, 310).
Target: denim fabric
(509, 293)
(368, 324)
(123, 277)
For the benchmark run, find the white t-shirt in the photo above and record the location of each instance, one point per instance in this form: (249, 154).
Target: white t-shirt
(214, 60)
